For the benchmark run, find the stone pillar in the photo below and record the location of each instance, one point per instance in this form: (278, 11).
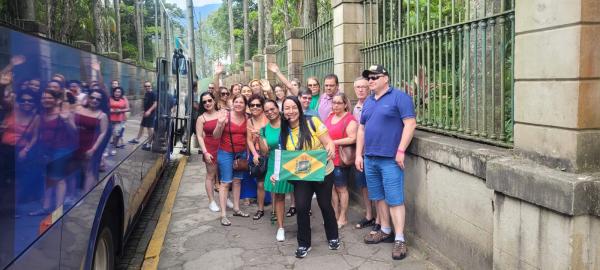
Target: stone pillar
(295, 50)
(348, 38)
(256, 61)
(557, 85)
(84, 45)
(270, 57)
(546, 204)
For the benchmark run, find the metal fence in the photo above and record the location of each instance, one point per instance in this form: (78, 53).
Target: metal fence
(281, 58)
(454, 57)
(318, 49)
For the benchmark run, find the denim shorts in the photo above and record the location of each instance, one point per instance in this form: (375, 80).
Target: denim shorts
(359, 178)
(340, 176)
(385, 180)
(225, 162)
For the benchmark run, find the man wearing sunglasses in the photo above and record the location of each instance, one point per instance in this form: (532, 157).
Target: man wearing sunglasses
(149, 116)
(386, 128)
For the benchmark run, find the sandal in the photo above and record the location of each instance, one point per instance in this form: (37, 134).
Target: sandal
(363, 223)
(376, 228)
(258, 215)
(291, 212)
(239, 213)
(225, 221)
(273, 217)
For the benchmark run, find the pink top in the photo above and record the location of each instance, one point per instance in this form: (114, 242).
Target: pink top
(120, 104)
(338, 131)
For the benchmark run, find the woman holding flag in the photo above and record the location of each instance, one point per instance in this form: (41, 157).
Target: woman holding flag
(301, 134)
(269, 142)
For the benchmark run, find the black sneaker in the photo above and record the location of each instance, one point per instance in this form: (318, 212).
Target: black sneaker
(301, 252)
(334, 244)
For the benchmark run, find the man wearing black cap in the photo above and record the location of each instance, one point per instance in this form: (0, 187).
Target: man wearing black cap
(386, 128)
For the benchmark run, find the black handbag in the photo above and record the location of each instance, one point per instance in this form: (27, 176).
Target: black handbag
(258, 170)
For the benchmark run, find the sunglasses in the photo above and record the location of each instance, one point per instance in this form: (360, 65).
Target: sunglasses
(225, 94)
(207, 101)
(374, 78)
(254, 105)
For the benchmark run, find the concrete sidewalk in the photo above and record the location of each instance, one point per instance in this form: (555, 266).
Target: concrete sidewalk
(196, 240)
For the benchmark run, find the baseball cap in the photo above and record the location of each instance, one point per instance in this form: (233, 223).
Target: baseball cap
(375, 69)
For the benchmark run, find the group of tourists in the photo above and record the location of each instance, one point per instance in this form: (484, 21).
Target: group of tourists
(61, 131)
(240, 127)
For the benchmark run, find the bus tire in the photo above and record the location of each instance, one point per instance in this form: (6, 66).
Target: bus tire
(104, 251)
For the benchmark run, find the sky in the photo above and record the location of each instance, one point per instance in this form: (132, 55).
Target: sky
(197, 3)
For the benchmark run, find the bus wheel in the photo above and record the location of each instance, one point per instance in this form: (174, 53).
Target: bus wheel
(104, 252)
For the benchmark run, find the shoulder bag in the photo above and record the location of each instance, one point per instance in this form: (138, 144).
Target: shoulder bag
(239, 164)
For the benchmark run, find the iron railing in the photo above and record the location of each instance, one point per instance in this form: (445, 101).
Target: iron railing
(281, 58)
(454, 57)
(318, 49)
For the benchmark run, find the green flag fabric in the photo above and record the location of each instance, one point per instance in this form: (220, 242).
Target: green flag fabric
(306, 165)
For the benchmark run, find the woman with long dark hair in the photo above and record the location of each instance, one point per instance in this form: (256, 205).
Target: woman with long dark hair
(92, 124)
(300, 133)
(205, 126)
(231, 129)
(269, 142)
(257, 121)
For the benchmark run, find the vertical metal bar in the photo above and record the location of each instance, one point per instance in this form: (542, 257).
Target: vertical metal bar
(483, 25)
(461, 74)
(493, 55)
(502, 136)
(418, 10)
(428, 15)
(453, 74)
(383, 21)
(440, 13)
(512, 70)
(399, 27)
(446, 62)
(453, 12)
(429, 82)
(468, 79)
(476, 75)
(440, 82)
(408, 17)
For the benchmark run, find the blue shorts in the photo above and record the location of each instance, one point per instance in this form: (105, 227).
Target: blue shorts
(340, 176)
(225, 163)
(359, 178)
(385, 180)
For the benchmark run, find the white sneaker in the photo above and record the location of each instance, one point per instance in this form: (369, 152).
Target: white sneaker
(113, 152)
(105, 154)
(229, 203)
(214, 207)
(280, 235)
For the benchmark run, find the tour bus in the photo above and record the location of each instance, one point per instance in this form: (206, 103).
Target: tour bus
(66, 201)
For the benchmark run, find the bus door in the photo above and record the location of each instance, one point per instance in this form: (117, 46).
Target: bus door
(163, 129)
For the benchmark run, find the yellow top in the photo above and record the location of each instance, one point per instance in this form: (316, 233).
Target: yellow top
(315, 134)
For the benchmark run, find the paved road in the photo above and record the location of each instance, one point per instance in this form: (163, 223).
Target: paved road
(196, 240)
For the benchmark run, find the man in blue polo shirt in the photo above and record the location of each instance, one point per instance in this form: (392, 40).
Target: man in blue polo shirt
(387, 125)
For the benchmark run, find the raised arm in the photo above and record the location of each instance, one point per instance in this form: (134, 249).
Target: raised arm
(275, 69)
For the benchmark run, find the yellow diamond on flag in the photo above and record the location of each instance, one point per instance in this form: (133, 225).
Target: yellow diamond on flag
(303, 165)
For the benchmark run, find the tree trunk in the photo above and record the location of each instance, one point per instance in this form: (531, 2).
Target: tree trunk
(50, 16)
(286, 16)
(68, 21)
(98, 40)
(231, 37)
(261, 26)
(246, 34)
(309, 14)
(268, 5)
(138, 29)
(28, 10)
(117, 7)
(201, 48)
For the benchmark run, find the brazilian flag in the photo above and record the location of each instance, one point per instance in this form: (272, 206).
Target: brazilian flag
(306, 165)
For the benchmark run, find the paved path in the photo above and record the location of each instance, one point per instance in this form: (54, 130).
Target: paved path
(196, 240)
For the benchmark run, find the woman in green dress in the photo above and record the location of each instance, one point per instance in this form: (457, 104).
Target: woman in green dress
(268, 144)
